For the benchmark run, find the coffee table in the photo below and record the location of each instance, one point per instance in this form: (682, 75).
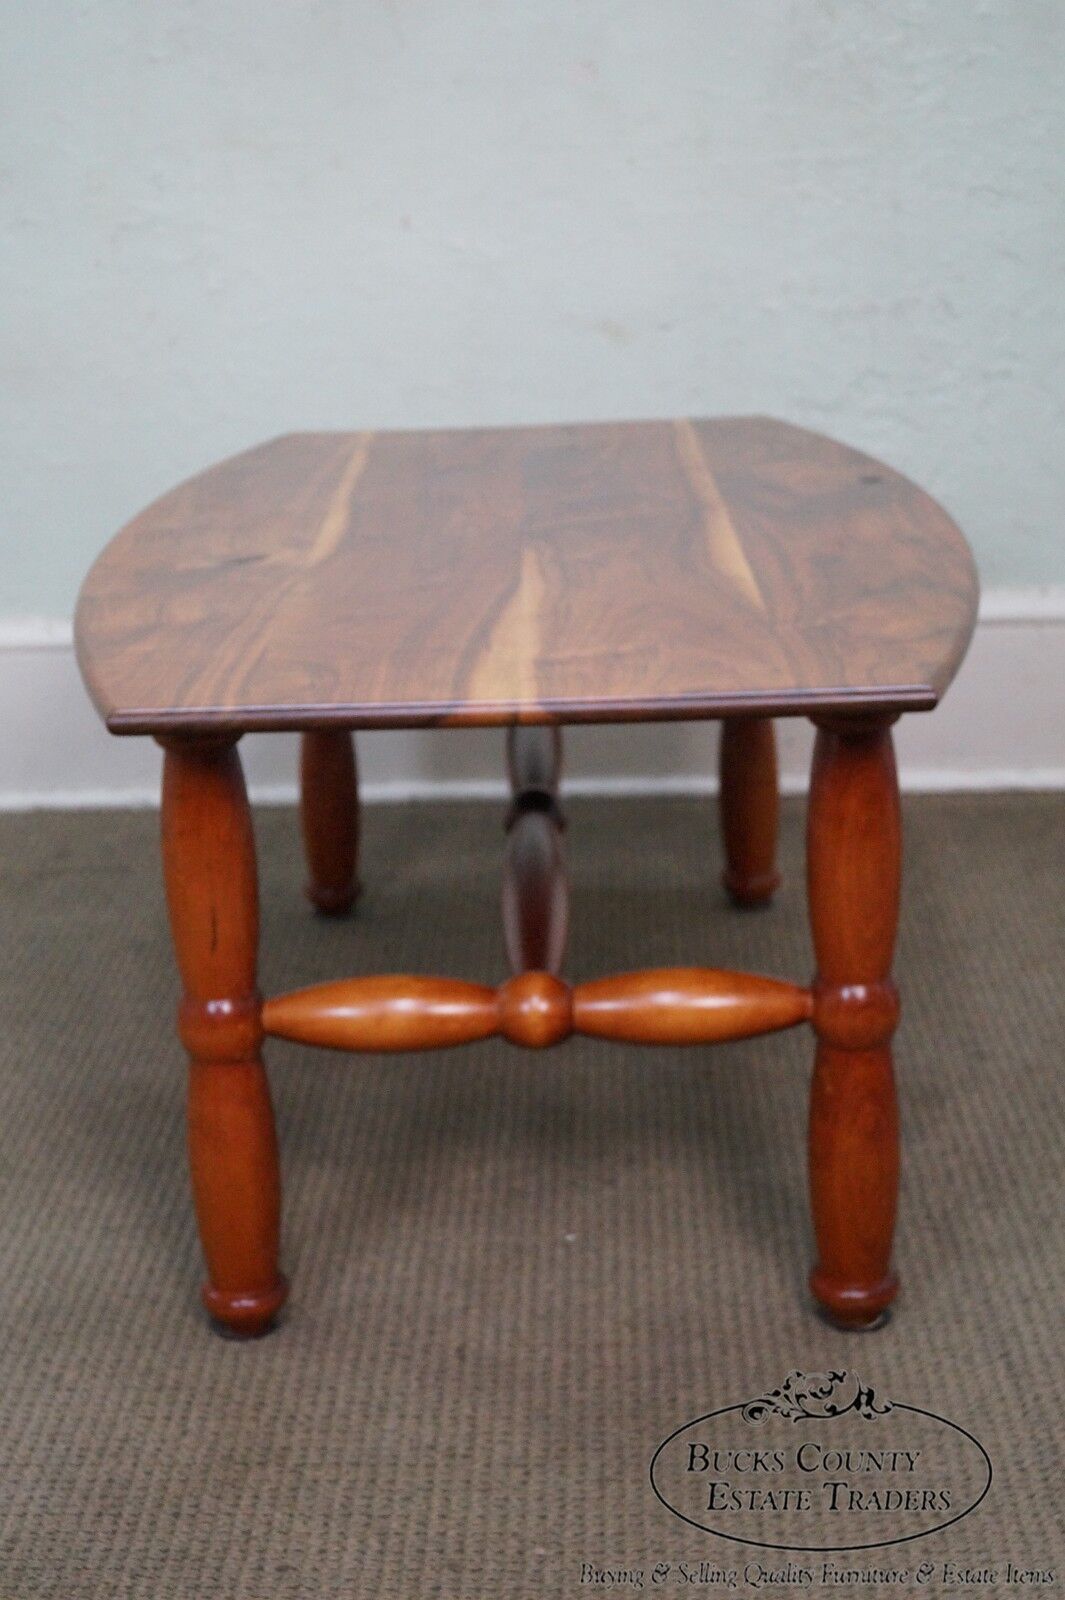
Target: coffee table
(736, 570)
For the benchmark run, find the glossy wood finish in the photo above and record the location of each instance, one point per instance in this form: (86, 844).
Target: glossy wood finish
(535, 885)
(668, 1005)
(854, 850)
(687, 1005)
(561, 574)
(209, 867)
(735, 569)
(749, 807)
(535, 1010)
(329, 815)
(388, 1012)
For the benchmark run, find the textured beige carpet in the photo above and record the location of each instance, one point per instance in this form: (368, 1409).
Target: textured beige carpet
(513, 1274)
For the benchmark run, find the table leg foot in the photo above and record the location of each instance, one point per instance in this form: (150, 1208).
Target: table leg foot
(244, 1315)
(854, 1308)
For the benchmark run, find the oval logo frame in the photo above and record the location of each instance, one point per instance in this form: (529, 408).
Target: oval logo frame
(817, 1398)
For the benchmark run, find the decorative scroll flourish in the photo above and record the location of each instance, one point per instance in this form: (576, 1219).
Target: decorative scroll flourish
(815, 1394)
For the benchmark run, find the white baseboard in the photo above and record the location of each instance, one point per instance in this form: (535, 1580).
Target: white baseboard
(1002, 726)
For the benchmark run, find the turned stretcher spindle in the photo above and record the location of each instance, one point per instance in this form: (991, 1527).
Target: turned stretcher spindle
(666, 1005)
(687, 1005)
(535, 886)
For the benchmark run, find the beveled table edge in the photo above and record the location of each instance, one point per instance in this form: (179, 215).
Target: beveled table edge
(411, 714)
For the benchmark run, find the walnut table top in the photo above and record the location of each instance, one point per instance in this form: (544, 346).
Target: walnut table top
(601, 572)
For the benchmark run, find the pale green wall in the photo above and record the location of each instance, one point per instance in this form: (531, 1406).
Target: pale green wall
(224, 220)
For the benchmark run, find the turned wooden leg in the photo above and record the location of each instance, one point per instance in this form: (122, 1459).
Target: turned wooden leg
(209, 866)
(854, 850)
(749, 808)
(329, 812)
